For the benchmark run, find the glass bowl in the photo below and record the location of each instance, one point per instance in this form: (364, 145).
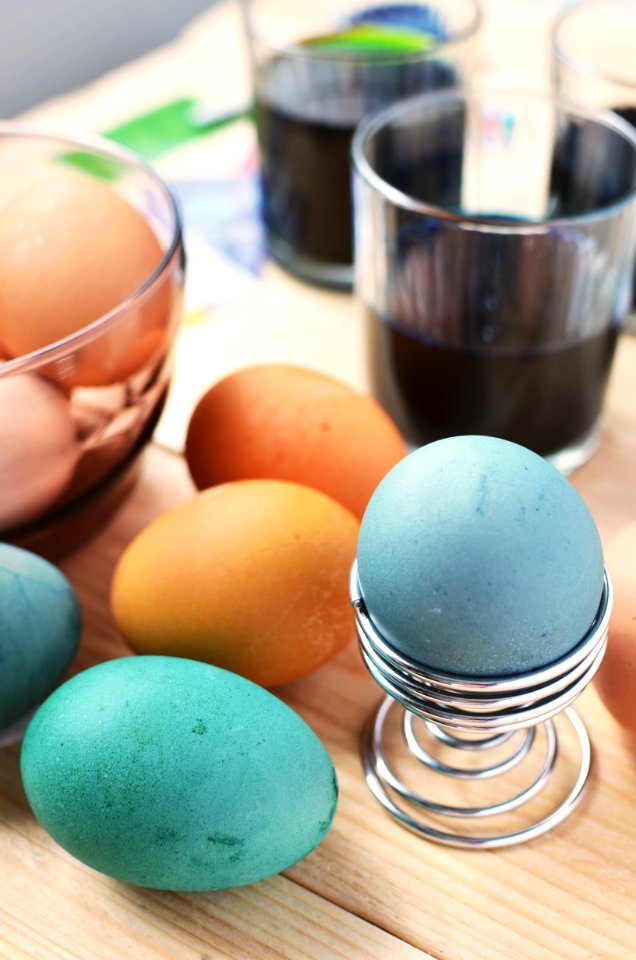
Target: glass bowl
(76, 413)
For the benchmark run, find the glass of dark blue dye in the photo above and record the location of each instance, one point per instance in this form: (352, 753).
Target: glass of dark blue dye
(316, 72)
(594, 61)
(494, 240)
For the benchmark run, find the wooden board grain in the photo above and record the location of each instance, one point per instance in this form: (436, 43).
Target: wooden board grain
(371, 890)
(567, 895)
(372, 887)
(54, 909)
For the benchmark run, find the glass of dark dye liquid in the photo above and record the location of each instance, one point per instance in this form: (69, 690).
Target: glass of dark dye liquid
(495, 236)
(594, 62)
(316, 73)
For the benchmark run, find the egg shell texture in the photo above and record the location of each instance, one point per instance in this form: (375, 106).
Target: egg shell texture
(168, 773)
(251, 576)
(616, 678)
(476, 557)
(40, 629)
(39, 449)
(291, 423)
(71, 250)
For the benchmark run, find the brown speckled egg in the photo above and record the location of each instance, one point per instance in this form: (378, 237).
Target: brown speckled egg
(290, 423)
(616, 679)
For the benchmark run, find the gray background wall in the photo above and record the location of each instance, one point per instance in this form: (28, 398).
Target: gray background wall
(51, 46)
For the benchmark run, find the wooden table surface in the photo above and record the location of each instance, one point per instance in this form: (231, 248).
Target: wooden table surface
(372, 889)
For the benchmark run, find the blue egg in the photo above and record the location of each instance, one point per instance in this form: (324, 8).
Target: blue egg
(40, 628)
(476, 557)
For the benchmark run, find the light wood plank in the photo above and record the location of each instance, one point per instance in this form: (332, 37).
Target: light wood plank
(54, 908)
(371, 889)
(567, 895)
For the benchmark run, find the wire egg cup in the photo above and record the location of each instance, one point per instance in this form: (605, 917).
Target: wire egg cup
(475, 715)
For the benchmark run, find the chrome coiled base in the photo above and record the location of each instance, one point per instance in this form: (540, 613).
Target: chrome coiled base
(473, 717)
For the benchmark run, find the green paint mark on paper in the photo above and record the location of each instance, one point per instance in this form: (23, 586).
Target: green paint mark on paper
(152, 134)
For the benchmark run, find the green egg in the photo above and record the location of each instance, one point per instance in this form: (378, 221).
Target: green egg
(177, 775)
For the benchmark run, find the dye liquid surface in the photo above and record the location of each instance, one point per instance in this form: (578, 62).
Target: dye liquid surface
(543, 399)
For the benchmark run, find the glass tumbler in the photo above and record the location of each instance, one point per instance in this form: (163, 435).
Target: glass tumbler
(317, 70)
(594, 60)
(495, 235)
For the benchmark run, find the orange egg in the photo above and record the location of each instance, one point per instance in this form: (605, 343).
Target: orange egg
(616, 678)
(251, 576)
(71, 250)
(295, 424)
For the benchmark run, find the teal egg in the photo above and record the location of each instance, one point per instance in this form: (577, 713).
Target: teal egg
(40, 629)
(175, 774)
(476, 557)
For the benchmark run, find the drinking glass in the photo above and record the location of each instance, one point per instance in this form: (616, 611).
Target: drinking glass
(594, 60)
(495, 235)
(317, 70)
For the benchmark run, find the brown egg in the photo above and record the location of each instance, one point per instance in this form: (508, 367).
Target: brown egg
(291, 423)
(251, 576)
(616, 679)
(71, 250)
(38, 448)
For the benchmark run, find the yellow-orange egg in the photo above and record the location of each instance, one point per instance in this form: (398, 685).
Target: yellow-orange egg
(294, 424)
(616, 678)
(251, 576)
(71, 250)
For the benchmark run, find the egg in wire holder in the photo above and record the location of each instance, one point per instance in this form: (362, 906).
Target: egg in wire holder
(475, 715)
